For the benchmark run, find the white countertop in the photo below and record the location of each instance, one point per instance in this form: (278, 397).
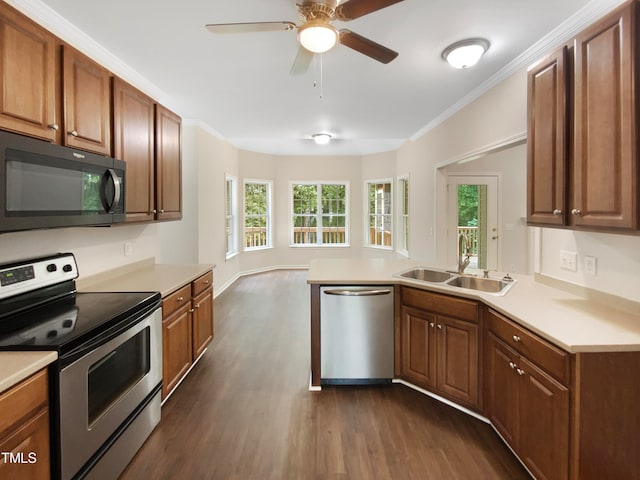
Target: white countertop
(573, 323)
(16, 366)
(145, 276)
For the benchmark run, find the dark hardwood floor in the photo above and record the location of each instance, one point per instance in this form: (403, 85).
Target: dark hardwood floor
(245, 411)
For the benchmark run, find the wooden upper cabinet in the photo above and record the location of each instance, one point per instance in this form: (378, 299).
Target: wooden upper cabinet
(605, 167)
(28, 75)
(86, 103)
(168, 165)
(547, 139)
(133, 142)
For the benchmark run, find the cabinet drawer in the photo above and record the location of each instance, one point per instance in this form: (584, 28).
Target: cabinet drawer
(199, 285)
(20, 401)
(441, 304)
(176, 300)
(547, 356)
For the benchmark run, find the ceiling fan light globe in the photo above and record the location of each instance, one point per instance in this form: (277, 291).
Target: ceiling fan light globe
(317, 38)
(465, 54)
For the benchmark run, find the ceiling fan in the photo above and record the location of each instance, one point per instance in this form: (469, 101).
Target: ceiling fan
(316, 34)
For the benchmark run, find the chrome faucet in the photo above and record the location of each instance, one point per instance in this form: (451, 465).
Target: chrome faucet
(463, 244)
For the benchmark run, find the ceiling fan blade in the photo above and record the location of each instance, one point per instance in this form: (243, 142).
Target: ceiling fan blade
(357, 8)
(367, 47)
(250, 27)
(302, 61)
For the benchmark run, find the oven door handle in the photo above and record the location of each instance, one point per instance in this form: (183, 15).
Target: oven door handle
(72, 356)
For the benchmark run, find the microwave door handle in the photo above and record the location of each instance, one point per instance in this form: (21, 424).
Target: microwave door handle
(117, 190)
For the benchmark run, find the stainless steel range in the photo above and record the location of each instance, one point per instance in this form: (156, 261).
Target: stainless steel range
(106, 385)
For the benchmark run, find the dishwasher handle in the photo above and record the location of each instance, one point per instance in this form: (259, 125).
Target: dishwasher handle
(358, 293)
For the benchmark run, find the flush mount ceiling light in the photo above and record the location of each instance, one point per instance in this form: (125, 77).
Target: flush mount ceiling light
(321, 138)
(317, 36)
(465, 53)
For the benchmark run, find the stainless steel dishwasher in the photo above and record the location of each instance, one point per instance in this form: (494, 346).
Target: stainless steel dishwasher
(356, 334)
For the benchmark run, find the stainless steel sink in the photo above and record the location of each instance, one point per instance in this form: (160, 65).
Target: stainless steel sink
(427, 275)
(489, 285)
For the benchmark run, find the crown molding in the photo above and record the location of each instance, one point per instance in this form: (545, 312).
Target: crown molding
(568, 29)
(51, 20)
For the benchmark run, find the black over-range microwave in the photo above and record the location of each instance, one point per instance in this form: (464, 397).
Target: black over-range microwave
(43, 185)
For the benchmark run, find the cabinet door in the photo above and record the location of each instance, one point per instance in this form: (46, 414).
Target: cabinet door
(29, 444)
(605, 174)
(86, 103)
(418, 347)
(502, 389)
(133, 142)
(457, 353)
(202, 321)
(176, 348)
(27, 72)
(168, 165)
(544, 423)
(547, 140)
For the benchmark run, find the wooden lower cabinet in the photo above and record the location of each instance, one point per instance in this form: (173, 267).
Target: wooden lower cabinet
(176, 348)
(529, 409)
(24, 430)
(187, 329)
(440, 352)
(202, 321)
(418, 347)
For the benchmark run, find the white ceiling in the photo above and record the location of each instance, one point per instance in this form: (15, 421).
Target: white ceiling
(239, 85)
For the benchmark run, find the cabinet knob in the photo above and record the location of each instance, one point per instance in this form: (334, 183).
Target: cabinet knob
(431, 324)
(575, 211)
(520, 371)
(155, 211)
(73, 133)
(557, 211)
(440, 327)
(179, 299)
(191, 310)
(206, 282)
(516, 338)
(53, 126)
(197, 305)
(512, 365)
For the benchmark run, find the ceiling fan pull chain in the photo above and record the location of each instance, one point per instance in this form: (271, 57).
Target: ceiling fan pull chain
(321, 91)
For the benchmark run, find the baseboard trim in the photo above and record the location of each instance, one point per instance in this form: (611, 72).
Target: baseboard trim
(256, 271)
(442, 400)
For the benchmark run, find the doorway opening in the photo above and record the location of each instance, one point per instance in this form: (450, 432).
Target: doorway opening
(473, 214)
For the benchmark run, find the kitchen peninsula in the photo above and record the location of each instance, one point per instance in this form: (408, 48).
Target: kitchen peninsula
(553, 372)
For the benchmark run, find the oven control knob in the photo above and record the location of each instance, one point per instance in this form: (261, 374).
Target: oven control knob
(67, 268)
(52, 267)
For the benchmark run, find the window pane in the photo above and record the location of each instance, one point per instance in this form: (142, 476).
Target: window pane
(305, 199)
(319, 214)
(380, 218)
(256, 215)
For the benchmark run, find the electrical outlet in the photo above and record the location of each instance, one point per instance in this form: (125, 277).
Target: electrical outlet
(568, 260)
(128, 249)
(590, 265)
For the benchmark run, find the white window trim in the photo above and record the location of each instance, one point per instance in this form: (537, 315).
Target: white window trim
(365, 204)
(400, 231)
(230, 253)
(269, 184)
(319, 215)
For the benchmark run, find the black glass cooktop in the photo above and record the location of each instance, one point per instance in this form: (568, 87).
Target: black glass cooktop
(72, 320)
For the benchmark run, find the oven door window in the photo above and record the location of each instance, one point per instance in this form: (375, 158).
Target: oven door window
(116, 373)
